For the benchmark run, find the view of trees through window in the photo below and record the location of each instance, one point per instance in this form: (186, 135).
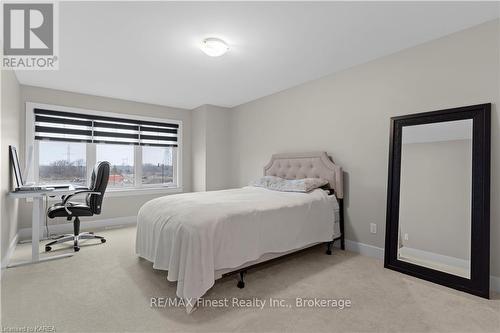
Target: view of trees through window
(62, 162)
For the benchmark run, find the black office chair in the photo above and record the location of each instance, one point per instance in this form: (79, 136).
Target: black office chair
(92, 206)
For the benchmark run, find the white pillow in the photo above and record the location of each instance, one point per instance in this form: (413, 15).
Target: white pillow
(289, 185)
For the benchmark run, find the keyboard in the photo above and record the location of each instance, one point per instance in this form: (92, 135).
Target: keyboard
(30, 188)
(47, 187)
(55, 186)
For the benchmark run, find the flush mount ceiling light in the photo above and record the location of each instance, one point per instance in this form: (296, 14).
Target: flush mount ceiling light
(214, 47)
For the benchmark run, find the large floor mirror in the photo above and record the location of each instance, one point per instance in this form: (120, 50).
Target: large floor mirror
(438, 197)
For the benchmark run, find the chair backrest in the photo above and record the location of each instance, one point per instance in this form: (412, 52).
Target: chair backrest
(98, 183)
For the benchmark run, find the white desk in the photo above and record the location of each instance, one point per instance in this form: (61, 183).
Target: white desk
(38, 219)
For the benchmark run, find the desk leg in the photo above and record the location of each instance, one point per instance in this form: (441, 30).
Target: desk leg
(38, 218)
(35, 228)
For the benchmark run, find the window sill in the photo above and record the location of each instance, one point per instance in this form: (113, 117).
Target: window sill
(126, 192)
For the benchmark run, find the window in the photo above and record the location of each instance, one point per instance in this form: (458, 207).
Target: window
(143, 152)
(121, 158)
(62, 162)
(157, 166)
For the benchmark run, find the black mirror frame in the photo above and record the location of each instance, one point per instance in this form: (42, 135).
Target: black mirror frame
(479, 281)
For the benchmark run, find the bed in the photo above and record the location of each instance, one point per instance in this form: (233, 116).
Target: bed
(200, 237)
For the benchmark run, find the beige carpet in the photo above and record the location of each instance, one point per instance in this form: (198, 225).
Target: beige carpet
(106, 288)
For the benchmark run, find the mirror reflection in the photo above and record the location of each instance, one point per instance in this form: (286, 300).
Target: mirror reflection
(435, 196)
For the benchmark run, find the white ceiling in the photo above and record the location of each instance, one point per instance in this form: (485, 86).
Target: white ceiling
(148, 51)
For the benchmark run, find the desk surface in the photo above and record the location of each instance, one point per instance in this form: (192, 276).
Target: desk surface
(35, 194)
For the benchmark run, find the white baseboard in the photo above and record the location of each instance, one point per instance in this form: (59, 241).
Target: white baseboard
(66, 228)
(9, 253)
(365, 249)
(495, 283)
(378, 253)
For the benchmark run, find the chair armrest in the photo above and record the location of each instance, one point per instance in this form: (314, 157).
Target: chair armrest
(66, 199)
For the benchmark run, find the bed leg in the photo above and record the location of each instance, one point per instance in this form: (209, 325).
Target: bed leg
(329, 248)
(241, 283)
(342, 233)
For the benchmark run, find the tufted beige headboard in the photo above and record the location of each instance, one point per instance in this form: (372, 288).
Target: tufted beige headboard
(307, 165)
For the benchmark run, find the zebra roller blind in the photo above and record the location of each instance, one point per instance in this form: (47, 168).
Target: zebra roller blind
(78, 127)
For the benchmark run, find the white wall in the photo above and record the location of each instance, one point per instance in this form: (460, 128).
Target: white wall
(199, 149)
(112, 206)
(10, 132)
(347, 114)
(218, 148)
(211, 148)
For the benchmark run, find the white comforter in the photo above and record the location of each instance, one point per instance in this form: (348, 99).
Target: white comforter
(192, 235)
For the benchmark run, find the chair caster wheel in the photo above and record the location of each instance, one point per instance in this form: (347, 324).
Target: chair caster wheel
(76, 248)
(241, 284)
(103, 240)
(329, 252)
(48, 248)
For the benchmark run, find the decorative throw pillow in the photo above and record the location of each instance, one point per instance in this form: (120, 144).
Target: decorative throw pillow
(289, 185)
(265, 181)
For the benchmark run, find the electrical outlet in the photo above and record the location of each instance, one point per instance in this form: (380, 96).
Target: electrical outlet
(373, 228)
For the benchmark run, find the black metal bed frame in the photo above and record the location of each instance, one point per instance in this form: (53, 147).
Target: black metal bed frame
(329, 245)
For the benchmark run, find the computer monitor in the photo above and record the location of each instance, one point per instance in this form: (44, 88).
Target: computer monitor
(14, 160)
